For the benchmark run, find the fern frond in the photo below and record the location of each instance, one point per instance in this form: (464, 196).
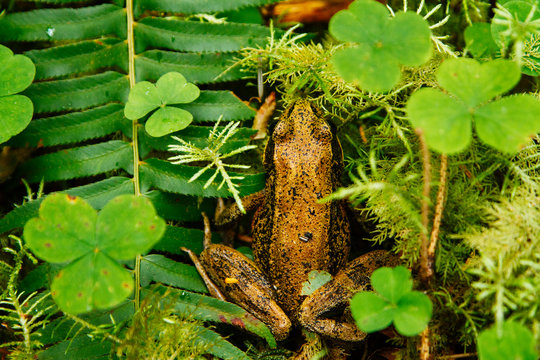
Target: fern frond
(78, 162)
(179, 207)
(175, 178)
(201, 68)
(79, 93)
(201, 6)
(64, 24)
(211, 105)
(96, 194)
(196, 36)
(160, 269)
(73, 127)
(79, 57)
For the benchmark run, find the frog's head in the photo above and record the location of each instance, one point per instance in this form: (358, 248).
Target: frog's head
(302, 135)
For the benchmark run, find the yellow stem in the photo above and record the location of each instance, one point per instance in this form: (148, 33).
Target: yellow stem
(135, 141)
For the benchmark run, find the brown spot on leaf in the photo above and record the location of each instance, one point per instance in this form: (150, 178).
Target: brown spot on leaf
(79, 294)
(47, 245)
(238, 322)
(223, 319)
(72, 199)
(105, 272)
(60, 274)
(152, 227)
(126, 285)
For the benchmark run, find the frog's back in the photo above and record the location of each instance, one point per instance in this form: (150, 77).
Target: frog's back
(294, 233)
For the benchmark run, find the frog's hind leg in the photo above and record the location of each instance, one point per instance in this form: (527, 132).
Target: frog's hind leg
(336, 294)
(243, 284)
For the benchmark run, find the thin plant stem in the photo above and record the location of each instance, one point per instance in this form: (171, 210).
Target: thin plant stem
(92, 327)
(425, 270)
(424, 345)
(438, 210)
(135, 140)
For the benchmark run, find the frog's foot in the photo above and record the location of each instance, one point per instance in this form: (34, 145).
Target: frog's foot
(243, 284)
(336, 294)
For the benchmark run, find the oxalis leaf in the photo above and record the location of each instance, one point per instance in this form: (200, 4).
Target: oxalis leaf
(506, 124)
(394, 301)
(513, 342)
(70, 230)
(382, 44)
(16, 74)
(171, 88)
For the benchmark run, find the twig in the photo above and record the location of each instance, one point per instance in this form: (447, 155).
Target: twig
(458, 356)
(425, 270)
(424, 344)
(438, 211)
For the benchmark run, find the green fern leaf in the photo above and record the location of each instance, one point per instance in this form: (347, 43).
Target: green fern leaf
(210, 105)
(76, 58)
(198, 135)
(177, 237)
(64, 24)
(179, 207)
(197, 36)
(220, 347)
(197, 68)
(78, 162)
(174, 178)
(160, 269)
(194, 7)
(79, 93)
(210, 309)
(73, 127)
(96, 194)
(79, 347)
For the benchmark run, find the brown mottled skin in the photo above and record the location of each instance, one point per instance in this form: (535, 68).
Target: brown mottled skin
(294, 234)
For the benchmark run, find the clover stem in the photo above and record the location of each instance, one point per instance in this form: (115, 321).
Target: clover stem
(438, 210)
(425, 270)
(135, 140)
(424, 344)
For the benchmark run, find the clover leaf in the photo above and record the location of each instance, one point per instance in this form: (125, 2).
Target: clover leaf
(16, 74)
(381, 44)
(446, 119)
(171, 88)
(316, 279)
(392, 302)
(68, 230)
(514, 342)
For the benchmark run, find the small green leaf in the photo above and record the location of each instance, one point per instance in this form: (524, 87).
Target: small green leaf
(143, 98)
(392, 283)
(520, 10)
(371, 312)
(64, 229)
(16, 113)
(174, 89)
(94, 281)
(508, 123)
(412, 314)
(445, 121)
(167, 120)
(479, 40)
(128, 226)
(408, 39)
(158, 268)
(316, 279)
(515, 342)
(370, 67)
(476, 83)
(353, 25)
(16, 72)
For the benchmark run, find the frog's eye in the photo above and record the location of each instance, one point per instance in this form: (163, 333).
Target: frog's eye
(323, 134)
(282, 130)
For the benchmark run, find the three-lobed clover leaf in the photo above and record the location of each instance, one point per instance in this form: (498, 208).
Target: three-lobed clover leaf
(316, 279)
(382, 44)
(69, 230)
(446, 119)
(16, 74)
(514, 342)
(171, 88)
(392, 302)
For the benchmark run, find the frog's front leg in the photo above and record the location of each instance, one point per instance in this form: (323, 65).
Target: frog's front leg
(243, 284)
(355, 277)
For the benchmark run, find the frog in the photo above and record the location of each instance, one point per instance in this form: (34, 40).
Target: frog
(295, 233)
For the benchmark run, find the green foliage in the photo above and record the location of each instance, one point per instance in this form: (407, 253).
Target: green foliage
(382, 44)
(316, 279)
(479, 40)
(16, 74)
(514, 342)
(446, 120)
(171, 88)
(90, 242)
(393, 301)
